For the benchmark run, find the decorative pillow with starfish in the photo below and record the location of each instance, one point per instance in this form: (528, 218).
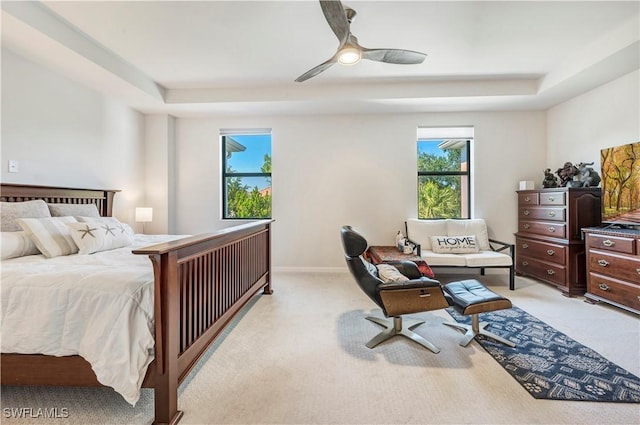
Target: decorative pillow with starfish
(98, 236)
(114, 222)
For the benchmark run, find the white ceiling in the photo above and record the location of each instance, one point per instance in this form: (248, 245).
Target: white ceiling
(241, 57)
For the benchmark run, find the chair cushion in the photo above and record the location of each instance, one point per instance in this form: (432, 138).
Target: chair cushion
(423, 282)
(487, 259)
(420, 231)
(472, 297)
(434, 259)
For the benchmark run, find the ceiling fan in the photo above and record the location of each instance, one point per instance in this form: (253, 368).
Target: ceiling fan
(349, 51)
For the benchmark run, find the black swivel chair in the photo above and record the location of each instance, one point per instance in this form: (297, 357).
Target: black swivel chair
(394, 298)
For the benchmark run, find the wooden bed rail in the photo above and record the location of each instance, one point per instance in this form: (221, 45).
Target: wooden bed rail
(201, 282)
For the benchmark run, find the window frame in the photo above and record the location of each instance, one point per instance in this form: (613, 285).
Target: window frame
(461, 173)
(226, 175)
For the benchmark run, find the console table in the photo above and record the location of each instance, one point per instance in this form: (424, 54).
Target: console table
(613, 267)
(391, 254)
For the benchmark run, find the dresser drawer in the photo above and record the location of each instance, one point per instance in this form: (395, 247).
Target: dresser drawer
(541, 250)
(542, 270)
(554, 230)
(618, 291)
(612, 243)
(542, 213)
(614, 265)
(528, 199)
(553, 198)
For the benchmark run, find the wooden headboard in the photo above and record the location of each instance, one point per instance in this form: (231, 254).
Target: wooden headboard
(103, 199)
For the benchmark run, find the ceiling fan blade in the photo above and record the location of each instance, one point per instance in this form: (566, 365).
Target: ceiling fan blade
(337, 18)
(398, 56)
(317, 70)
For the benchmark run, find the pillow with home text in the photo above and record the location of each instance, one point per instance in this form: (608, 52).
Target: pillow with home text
(454, 244)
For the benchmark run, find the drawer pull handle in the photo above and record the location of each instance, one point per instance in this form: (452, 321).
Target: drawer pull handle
(604, 287)
(552, 213)
(608, 243)
(526, 212)
(552, 229)
(527, 199)
(551, 198)
(638, 270)
(525, 263)
(550, 272)
(550, 252)
(424, 295)
(525, 246)
(603, 263)
(526, 225)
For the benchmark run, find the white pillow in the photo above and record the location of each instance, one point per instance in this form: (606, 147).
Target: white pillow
(10, 211)
(50, 235)
(454, 244)
(95, 236)
(473, 226)
(388, 273)
(17, 244)
(122, 227)
(63, 210)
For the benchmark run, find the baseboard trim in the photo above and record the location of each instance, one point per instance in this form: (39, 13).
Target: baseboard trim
(439, 270)
(283, 269)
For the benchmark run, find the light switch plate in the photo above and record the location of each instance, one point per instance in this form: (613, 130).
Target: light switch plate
(14, 167)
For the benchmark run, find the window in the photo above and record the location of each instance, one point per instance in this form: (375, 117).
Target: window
(444, 177)
(246, 174)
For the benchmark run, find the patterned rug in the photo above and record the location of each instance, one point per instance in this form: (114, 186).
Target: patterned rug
(549, 364)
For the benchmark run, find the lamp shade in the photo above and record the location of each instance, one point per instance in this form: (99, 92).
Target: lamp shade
(144, 214)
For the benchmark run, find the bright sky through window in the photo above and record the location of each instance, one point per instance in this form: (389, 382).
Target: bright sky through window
(251, 159)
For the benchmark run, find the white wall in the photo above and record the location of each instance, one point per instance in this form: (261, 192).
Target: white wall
(159, 184)
(354, 169)
(327, 170)
(63, 134)
(604, 117)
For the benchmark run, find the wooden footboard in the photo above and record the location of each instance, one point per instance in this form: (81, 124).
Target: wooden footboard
(201, 282)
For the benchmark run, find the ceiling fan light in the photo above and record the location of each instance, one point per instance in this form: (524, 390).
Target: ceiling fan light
(349, 56)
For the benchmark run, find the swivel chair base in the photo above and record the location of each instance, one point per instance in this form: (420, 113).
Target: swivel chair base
(477, 328)
(394, 326)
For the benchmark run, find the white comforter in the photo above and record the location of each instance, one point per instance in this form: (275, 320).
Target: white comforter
(99, 306)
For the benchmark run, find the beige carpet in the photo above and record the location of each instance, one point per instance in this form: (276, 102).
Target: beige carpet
(298, 357)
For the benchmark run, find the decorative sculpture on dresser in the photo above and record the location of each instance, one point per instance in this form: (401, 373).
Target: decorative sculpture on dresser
(566, 173)
(549, 179)
(587, 175)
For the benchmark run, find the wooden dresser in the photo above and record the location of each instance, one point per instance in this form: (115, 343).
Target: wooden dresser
(549, 242)
(613, 266)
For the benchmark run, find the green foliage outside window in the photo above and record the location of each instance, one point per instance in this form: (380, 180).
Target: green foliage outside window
(442, 180)
(247, 176)
(244, 201)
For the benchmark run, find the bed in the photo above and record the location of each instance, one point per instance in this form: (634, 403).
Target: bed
(196, 285)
